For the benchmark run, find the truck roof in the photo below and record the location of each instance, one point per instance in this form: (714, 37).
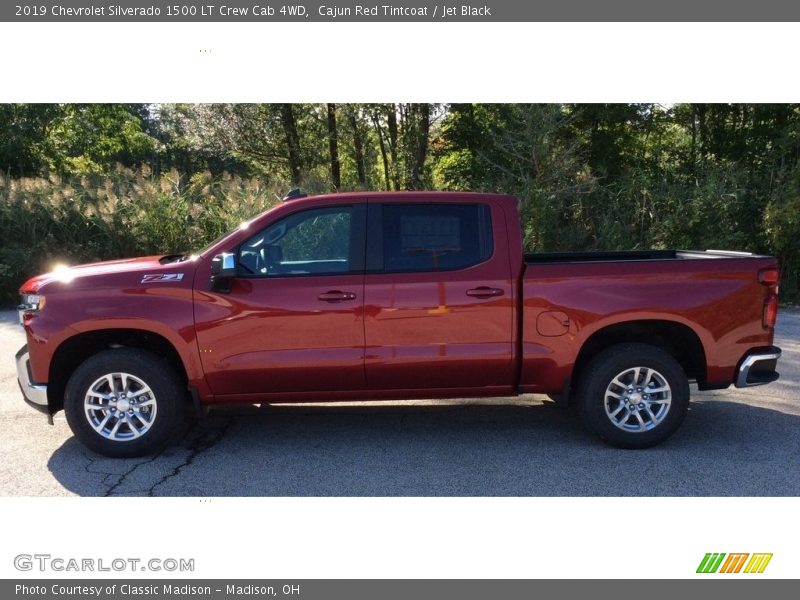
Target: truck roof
(405, 196)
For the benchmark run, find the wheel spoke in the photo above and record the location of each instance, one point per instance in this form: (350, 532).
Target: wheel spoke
(642, 426)
(636, 372)
(653, 418)
(620, 408)
(134, 430)
(115, 428)
(648, 375)
(137, 393)
(618, 382)
(659, 401)
(102, 424)
(614, 395)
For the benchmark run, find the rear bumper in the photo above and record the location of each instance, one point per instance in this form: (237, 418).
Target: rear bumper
(758, 367)
(34, 394)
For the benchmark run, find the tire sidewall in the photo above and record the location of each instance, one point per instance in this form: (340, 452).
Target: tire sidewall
(608, 365)
(147, 367)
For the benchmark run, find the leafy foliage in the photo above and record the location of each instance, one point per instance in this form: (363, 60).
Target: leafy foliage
(72, 139)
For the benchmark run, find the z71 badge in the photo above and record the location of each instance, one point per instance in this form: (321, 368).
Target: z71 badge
(162, 277)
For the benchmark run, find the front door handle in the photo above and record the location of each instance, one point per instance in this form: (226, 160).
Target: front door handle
(484, 292)
(336, 296)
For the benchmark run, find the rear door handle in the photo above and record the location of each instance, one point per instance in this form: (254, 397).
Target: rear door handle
(336, 296)
(484, 292)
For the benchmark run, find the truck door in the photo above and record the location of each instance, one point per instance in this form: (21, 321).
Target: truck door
(439, 298)
(292, 320)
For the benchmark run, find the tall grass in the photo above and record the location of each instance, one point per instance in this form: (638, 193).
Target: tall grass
(44, 221)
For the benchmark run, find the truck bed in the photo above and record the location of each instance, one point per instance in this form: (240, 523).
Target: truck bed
(567, 297)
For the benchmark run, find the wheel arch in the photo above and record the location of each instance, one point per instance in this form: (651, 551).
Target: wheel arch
(676, 338)
(76, 349)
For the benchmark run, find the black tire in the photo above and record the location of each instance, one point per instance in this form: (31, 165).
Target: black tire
(597, 396)
(165, 402)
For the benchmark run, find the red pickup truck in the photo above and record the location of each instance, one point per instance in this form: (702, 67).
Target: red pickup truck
(392, 296)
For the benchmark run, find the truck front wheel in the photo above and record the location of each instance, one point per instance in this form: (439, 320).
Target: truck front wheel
(124, 402)
(633, 395)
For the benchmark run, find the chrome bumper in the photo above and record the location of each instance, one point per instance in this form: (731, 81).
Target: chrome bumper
(758, 368)
(34, 394)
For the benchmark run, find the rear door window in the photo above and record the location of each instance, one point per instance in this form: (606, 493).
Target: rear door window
(434, 237)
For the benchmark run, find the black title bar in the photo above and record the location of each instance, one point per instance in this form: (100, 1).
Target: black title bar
(236, 11)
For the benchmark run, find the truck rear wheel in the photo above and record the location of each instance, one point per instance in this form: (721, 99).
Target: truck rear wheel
(633, 395)
(124, 402)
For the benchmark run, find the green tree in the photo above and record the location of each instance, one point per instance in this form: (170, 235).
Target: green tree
(72, 139)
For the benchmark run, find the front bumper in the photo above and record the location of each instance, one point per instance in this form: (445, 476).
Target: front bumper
(758, 367)
(34, 394)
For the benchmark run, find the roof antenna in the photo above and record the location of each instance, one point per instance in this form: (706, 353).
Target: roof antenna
(294, 194)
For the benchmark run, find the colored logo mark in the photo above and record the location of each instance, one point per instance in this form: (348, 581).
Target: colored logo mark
(719, 562)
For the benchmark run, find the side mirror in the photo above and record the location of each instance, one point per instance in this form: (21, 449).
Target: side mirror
(223, 268)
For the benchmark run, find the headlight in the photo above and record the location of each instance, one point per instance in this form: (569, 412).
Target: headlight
(30, 303)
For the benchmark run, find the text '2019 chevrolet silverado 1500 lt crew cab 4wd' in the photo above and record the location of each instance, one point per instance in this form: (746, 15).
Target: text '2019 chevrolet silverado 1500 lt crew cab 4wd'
(392, 296)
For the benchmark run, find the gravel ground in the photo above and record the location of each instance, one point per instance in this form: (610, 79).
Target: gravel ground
(733, 443)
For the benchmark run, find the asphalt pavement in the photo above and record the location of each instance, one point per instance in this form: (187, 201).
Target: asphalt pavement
(733, 443)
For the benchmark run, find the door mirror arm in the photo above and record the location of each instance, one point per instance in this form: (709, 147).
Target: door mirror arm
(223, 269)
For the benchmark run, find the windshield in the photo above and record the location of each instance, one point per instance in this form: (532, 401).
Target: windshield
(241, 226)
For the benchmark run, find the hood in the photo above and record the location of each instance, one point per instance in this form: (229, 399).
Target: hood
(128, 271)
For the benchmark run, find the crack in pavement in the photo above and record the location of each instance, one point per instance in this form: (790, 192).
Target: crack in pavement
(201, 436)
(107, 476)
(124, 476)
(205, 441)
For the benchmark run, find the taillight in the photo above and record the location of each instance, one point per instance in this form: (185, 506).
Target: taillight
(770, 278)
(770, 312)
